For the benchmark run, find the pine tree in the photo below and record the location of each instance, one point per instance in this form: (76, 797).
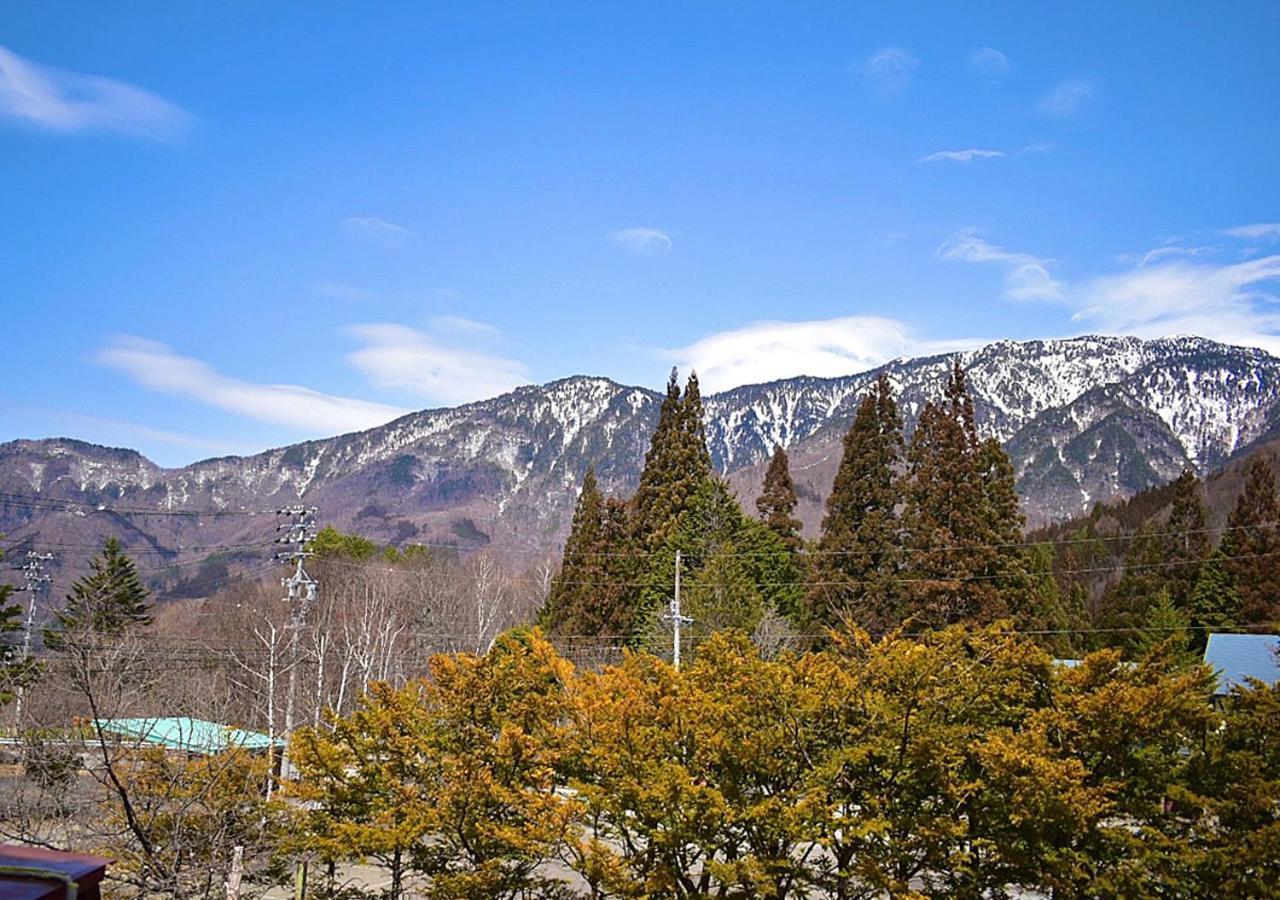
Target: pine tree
(1164, 621)
(777, 501)
(676, 466)
(1252, 546)
(960, 518)
(1214, 601)
(587, 595)
(110, 600)
(858, 554)
(1186, 539)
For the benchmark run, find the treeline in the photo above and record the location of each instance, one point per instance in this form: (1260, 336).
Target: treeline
(917, 534)
(1155, 566)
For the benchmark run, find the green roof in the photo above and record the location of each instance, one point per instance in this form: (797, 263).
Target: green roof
(191, 735)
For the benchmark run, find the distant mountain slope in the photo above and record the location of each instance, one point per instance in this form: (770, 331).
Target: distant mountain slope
(1084, 420)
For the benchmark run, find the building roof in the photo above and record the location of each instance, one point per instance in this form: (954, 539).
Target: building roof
(191, 735)
(1238, 657)
(33, 873)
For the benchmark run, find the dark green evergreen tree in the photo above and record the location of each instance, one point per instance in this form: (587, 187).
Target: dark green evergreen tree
(588, 595)
(856, 566)
(1165, 622)
(1186, 538)
(960, 518)
(722, 571)
(675, 467)
(777, 501)
(1214, 601)
(1252, 546)
(108, 601)
(1125, 606)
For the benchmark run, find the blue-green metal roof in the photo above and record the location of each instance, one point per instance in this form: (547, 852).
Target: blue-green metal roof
(1237, 657)
(191, 735)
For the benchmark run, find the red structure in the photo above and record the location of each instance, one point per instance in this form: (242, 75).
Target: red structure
(30, 873)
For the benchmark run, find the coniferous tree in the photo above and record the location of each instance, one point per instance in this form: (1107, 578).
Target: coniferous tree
(1186, 538)
(1252, 546)
(858, 555)
(958, 516)
(1164, 621)
(777, 501)
(587, 597)
(110, 600)
(722, 575)
(1214, 601)
(676, 466)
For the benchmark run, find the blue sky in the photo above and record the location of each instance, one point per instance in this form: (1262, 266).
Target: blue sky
(232, 226)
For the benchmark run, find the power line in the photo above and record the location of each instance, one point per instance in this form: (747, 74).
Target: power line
(57, 504)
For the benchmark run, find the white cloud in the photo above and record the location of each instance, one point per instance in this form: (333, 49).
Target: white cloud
(766, 351)
(1067, 98)
(1235, 303)
(400, 358)
(1036, 148)
(1261, 231)
(339, 291)
(158, 368)
(1169, 290)
(73, 103)
(961, 156)
(463, 326)
(646, 241)
(891, 64)
(380, 231)
(1026, 277)
(990, 62)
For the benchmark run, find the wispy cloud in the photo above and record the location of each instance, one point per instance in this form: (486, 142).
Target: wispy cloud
(1067, 98)
(645, 241)
(1038, 148)
(1233, 302)
(889, 70)
(990, 62)
(1169, 249)
(1259, 231)
(400, 358)
(766, 351)
(73, 103)
(339, 291)
(1174, 288)
(460, 325)
(157, 367)
(961, 156)
(1026, 277)
(380, 231)
(890, 62)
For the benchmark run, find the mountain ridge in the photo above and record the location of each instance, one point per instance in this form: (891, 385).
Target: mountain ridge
(1084, 419)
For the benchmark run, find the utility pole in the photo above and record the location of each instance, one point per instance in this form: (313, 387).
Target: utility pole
(298, 527)
(33, 572)
(675, 618)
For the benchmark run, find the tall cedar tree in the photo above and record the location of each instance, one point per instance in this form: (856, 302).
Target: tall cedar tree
(586, 597)
(777, 501)
(1186, 538)
(1215, 601)
(961, 519)
(109, 600)
(674, 468)
(859, 555)
(1252, 546)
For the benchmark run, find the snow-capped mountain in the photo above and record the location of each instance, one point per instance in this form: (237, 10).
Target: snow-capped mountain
(1084, 420)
